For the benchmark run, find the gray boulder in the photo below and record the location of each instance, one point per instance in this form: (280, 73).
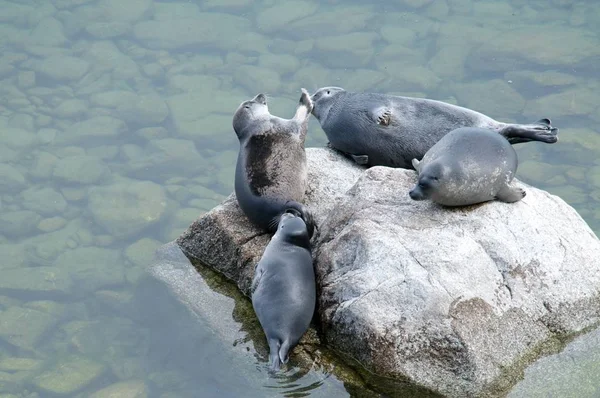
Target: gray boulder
(458, 301)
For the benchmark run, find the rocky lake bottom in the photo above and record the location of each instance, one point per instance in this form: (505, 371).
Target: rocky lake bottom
(115, 135)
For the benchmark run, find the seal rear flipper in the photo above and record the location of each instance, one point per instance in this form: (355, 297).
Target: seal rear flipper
(275, 362)
(284, 352)
(541, 130)
(510, 194)
(360, 159)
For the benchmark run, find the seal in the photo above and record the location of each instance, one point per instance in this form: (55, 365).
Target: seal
(468, 166)
(386, 130)
(271, 170)
(283, 289)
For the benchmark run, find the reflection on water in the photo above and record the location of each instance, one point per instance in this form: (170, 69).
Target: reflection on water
(115, 133)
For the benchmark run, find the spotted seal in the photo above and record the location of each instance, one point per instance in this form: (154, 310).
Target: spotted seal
(271, 170)
(467, 166)
(387, 130)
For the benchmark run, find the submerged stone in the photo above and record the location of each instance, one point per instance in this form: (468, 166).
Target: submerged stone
(62, 67)
(92, 268)
(11, 179)
(41, 281)
(126, 208)
(23, 327)
(69, 375)
(17, 224)
(81, 169)
(124, 389)
(43, 200)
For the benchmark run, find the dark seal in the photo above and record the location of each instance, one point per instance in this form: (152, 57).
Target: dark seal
(468, 166)
(387, 130)
(283, 288)
(271, 170)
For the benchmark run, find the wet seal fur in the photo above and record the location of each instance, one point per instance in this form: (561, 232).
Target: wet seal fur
(387, 130)
(284, 288)
(271, 169)
(468, 166)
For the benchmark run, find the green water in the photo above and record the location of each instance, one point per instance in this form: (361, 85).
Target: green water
(115, 134)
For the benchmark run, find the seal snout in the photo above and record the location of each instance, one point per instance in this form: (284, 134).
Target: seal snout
(261, 99)
(416, 194)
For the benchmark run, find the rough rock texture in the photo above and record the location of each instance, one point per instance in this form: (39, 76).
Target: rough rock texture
(455, 300)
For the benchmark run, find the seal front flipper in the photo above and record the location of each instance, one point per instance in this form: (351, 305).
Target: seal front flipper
(305, 107)
(542, 131)
(382, 115)
(416, 164)
(510, 194)
(360, 159)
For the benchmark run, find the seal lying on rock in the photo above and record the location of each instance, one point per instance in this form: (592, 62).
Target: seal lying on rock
(467, 166)
(283, 289)
(271, 170)
(386, 130)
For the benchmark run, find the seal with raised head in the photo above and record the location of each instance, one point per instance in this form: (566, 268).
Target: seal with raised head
(468, 166)
(271, 170)
(387, 130)
(283, 288)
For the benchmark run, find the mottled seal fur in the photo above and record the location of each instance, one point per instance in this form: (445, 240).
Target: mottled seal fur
(284, 289)
(467, 166)
(387, 130)
(271, 170)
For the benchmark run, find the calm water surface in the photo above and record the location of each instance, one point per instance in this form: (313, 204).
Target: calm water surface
(115, 134)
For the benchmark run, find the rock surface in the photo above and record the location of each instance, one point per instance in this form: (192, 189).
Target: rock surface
(455, 300)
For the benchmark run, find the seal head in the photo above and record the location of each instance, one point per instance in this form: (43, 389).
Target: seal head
(429, 180)
(323, 99)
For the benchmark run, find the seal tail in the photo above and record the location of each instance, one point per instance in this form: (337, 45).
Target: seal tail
(542, 131)
(274, 350)
(305, 214)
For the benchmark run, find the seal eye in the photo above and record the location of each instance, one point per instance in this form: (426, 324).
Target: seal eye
(328, 92)
(247, 106)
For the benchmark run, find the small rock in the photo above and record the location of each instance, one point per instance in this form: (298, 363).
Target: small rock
(352, 49)
(113, 99)
(493, 97)
(11, 179)
(570, 102)
(51, 224)
(71, 108)
(80, 169)
(46, 135)
(152, 133)
(63, 68)
(92, 268)
(26, 79)
(49, 32)
(124, 389)
(145, 110)
(69, 375)
(36, 281)
(166, 157)
(17, 138)
(45, 201)
(257, 79)
(141, 252)
(22, 121)
(126, 208)
(14, 364)
(19, 223)
(43, 165)
(97, 128)
(275, 18)
(108, 30)
(23, 327)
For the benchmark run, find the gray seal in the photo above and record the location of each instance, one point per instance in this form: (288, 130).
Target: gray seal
(387, 130)
(283, 288)
(468, 166)
(271, 170)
